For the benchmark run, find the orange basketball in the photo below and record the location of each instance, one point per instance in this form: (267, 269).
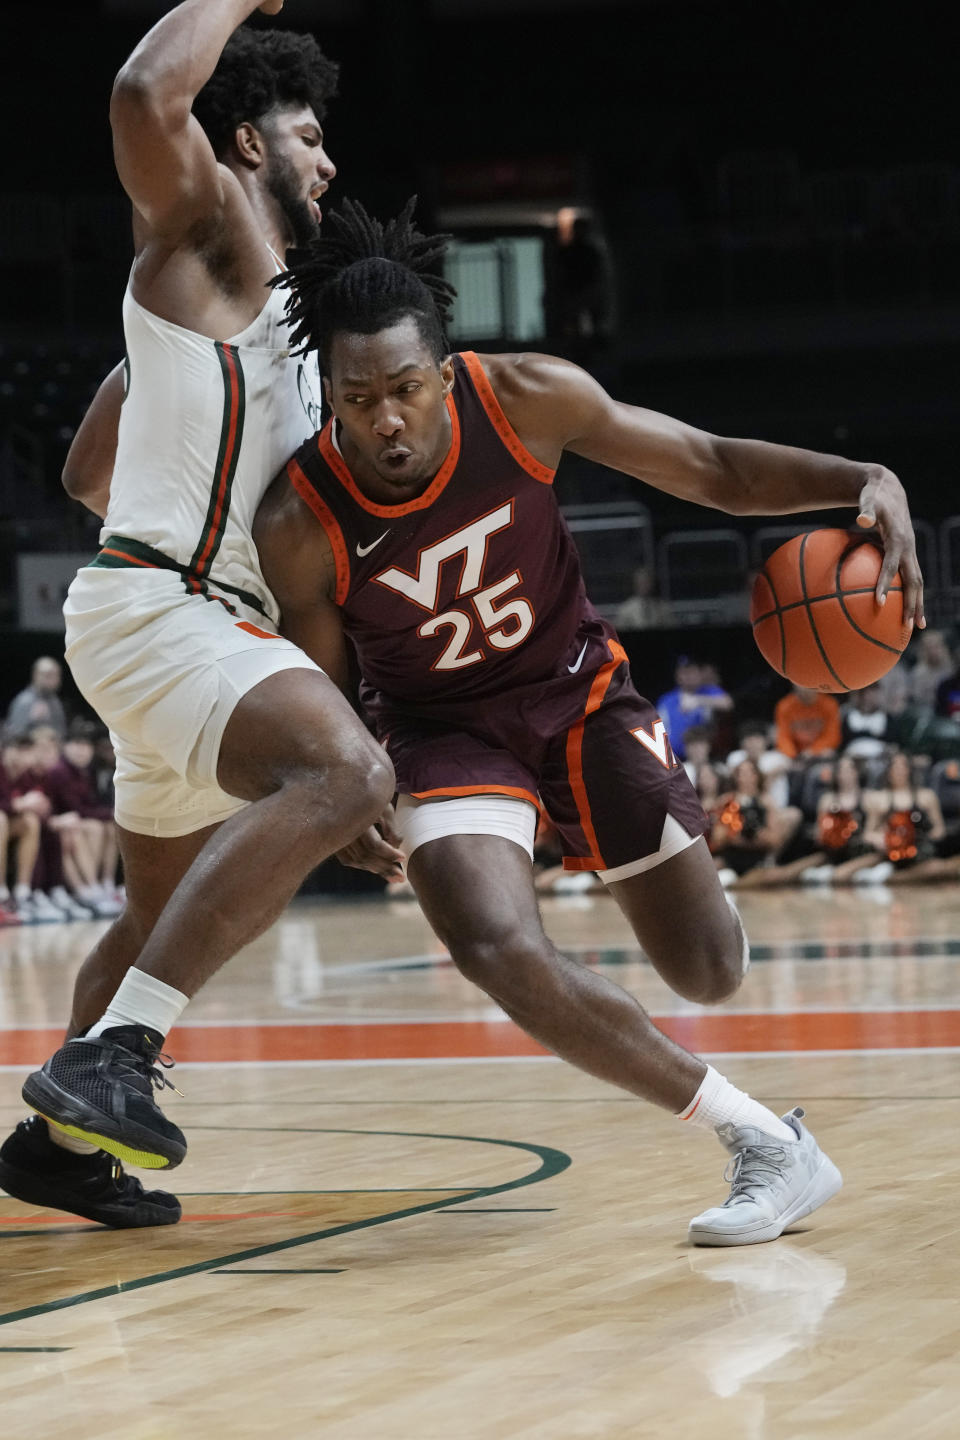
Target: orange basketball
(815, 616)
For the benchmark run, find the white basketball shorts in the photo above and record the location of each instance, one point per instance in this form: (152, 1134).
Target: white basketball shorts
(164, 670)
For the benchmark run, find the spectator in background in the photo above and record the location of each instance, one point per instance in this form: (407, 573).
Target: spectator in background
(866, 725)
(948, 692)
(20, 829)
(904, 826)
(807, 723)
(642, 610)
(894, 688)
(28, 809)
(84, 830)
(697, 742)
(843, 848)
(933, 665)
(749, 831)
(772, 764)
(690, 702)
(39, 703)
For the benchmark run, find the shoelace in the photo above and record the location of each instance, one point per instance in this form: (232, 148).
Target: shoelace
(147, 1065)
(749, 1167)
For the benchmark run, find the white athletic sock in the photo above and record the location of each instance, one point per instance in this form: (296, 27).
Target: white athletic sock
(142, 1000)
(67, 1142)
(717, 1102)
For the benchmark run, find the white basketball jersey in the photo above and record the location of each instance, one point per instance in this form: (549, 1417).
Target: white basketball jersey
(205, 427)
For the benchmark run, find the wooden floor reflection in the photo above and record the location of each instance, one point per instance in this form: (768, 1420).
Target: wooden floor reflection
(401, 1221)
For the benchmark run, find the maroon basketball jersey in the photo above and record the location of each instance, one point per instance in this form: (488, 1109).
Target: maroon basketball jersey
(472, 590)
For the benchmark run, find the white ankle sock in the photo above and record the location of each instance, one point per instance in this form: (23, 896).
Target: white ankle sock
(67, 1142)
(717, 1102)
(142, 1000)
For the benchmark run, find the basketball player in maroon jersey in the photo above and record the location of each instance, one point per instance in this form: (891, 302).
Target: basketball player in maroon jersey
(422, 524)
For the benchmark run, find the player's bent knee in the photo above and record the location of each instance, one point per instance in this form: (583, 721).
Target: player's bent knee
(500, 965)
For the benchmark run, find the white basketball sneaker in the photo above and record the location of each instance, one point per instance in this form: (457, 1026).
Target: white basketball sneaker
(773, 1184)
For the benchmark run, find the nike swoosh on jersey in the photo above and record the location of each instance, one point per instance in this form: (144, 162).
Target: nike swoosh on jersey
(365, 549)
(574, 668)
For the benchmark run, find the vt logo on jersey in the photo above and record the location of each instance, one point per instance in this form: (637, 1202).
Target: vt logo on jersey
(505, 624)
(657, 743)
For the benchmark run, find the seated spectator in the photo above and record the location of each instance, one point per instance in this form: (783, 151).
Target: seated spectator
(933, 665)
(27, 809)
(772, 764)
(690, 702)
(642, 610)
(39, 703)
(19, 832)
(85, 830)
(866, 725)
(905, 826)
(698, 742)
(750, 831)
(712, 784)
(843, 847)
(807, 723)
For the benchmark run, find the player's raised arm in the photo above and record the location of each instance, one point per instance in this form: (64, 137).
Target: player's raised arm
(555, 405)
(165, 162)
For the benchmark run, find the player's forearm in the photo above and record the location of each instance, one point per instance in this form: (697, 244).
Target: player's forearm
(175, 59)
(88, 468)
(757, 478)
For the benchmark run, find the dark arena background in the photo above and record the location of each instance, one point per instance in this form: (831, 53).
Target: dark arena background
(744, 215)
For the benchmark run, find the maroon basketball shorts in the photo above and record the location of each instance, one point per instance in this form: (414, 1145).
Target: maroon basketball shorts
(606, 776)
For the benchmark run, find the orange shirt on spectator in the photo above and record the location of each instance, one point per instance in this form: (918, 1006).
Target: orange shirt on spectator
(807, 723)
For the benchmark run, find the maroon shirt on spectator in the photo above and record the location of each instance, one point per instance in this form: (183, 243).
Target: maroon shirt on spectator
(71, 790)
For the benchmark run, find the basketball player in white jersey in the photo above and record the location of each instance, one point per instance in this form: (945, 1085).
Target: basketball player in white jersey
(240, 766)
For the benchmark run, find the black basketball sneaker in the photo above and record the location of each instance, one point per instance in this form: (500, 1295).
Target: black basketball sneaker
(34, 1169)
(101, 1090)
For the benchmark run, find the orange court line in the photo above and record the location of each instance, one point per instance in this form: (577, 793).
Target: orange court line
(711, 1033)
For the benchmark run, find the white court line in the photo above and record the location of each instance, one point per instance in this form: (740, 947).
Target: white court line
(519, 1060)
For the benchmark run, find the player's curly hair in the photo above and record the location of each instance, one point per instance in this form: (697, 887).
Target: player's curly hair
(261, 71)
(363, 276)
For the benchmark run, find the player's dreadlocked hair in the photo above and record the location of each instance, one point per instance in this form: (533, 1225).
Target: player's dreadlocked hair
(363, 276)
(260, 71)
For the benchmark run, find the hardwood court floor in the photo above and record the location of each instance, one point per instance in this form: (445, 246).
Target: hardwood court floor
(402, 1224)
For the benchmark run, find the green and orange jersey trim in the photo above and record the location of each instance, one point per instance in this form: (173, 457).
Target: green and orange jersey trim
(120, 552)
(228, 456)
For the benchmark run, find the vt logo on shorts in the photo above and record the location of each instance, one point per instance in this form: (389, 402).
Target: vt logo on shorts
(505, 625)
(657, 743)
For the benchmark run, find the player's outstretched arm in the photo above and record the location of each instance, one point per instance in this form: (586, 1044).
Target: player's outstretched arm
(88, 468)
(556, 406)
(165, 162)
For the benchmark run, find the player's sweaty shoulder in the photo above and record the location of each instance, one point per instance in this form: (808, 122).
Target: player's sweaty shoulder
(540, 395)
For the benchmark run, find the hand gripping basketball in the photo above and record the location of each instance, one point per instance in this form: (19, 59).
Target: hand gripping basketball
(883, 503)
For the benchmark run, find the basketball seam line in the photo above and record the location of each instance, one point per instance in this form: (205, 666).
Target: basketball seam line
(778, 611)
(881, 644)
(812, 622)
(818, 599)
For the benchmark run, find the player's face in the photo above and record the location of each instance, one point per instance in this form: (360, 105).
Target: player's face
(389, 395)
(298, 170)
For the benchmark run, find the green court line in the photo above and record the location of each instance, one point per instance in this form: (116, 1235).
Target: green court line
(280, 1272)
(552, 1162)
(34, 1349)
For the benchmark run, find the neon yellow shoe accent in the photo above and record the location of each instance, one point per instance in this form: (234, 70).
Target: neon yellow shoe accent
(144, 1159)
